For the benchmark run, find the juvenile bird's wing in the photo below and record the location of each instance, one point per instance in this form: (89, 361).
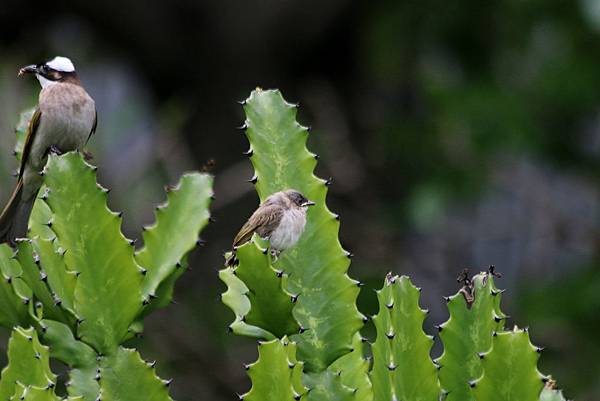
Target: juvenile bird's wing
(264, 220)
(34, 123)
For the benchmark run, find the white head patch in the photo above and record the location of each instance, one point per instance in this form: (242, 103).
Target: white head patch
(62, 64)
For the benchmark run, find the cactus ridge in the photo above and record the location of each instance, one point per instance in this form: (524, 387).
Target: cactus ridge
(262, 307)
(509, 369)
(277, 374)
(317, 265)
(28, 365)
(402, 367)
(105, 300)
(468, 333)
(173, 235)
(124, 374)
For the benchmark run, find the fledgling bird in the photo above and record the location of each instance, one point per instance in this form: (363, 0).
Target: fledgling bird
(64, 120)
(280, 219)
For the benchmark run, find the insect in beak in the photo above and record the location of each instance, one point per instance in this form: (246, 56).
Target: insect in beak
(30, 69)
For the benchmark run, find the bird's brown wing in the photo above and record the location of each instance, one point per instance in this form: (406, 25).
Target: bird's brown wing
(34, 123)
(93, 131)
(264, 220)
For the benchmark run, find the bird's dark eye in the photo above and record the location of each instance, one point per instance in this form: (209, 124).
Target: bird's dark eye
(45, 69)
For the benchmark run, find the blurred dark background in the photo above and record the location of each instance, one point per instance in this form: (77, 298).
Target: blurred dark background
(459, 134)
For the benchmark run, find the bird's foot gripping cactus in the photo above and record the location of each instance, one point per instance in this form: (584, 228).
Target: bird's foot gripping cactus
(304, 304)
(83, 289)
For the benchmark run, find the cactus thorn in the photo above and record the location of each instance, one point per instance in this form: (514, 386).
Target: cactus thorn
(200, 242)
(26, 301)
(211, 219)
(265, 251)
(336, 216)
(248, 153)
(132, 242)
(37, 355)
(243, 127)
(316, 156)
(391, 367)
(152, 295)
(50, 385)
(539, 349)
(43, 276)
(295, 298)
(472, 383)
(328, 181)
(439, 327)
(9, 279)
(301, 330)
(279, 273)
(494, 333)
(254, 179)
(151, 364)
(390, 305)
(390, 335)
(447, 299)
(120, 214)
(145, 301)
(242, 102)
(365, 319)
(481, 355)
(168, 382)
(143, 271)
(349, 255)
(178, 265)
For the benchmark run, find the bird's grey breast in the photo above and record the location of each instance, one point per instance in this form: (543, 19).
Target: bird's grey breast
(289, 230)
(67, 118)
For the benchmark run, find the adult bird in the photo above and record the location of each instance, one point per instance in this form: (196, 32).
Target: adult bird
(64, 120)
(280, 219)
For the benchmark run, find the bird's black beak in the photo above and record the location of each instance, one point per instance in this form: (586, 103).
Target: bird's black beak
(308, 203)
(30, 69)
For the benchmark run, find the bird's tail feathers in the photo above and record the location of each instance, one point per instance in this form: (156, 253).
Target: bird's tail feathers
(15, 216)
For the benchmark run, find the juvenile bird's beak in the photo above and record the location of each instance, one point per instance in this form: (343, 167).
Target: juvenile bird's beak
(308, 203)
(30, 69)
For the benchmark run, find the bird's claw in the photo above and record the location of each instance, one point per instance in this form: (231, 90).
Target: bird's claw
(55, 150)
(87, 155)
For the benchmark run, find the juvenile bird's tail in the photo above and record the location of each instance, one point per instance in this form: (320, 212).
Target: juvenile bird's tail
(15, 216)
